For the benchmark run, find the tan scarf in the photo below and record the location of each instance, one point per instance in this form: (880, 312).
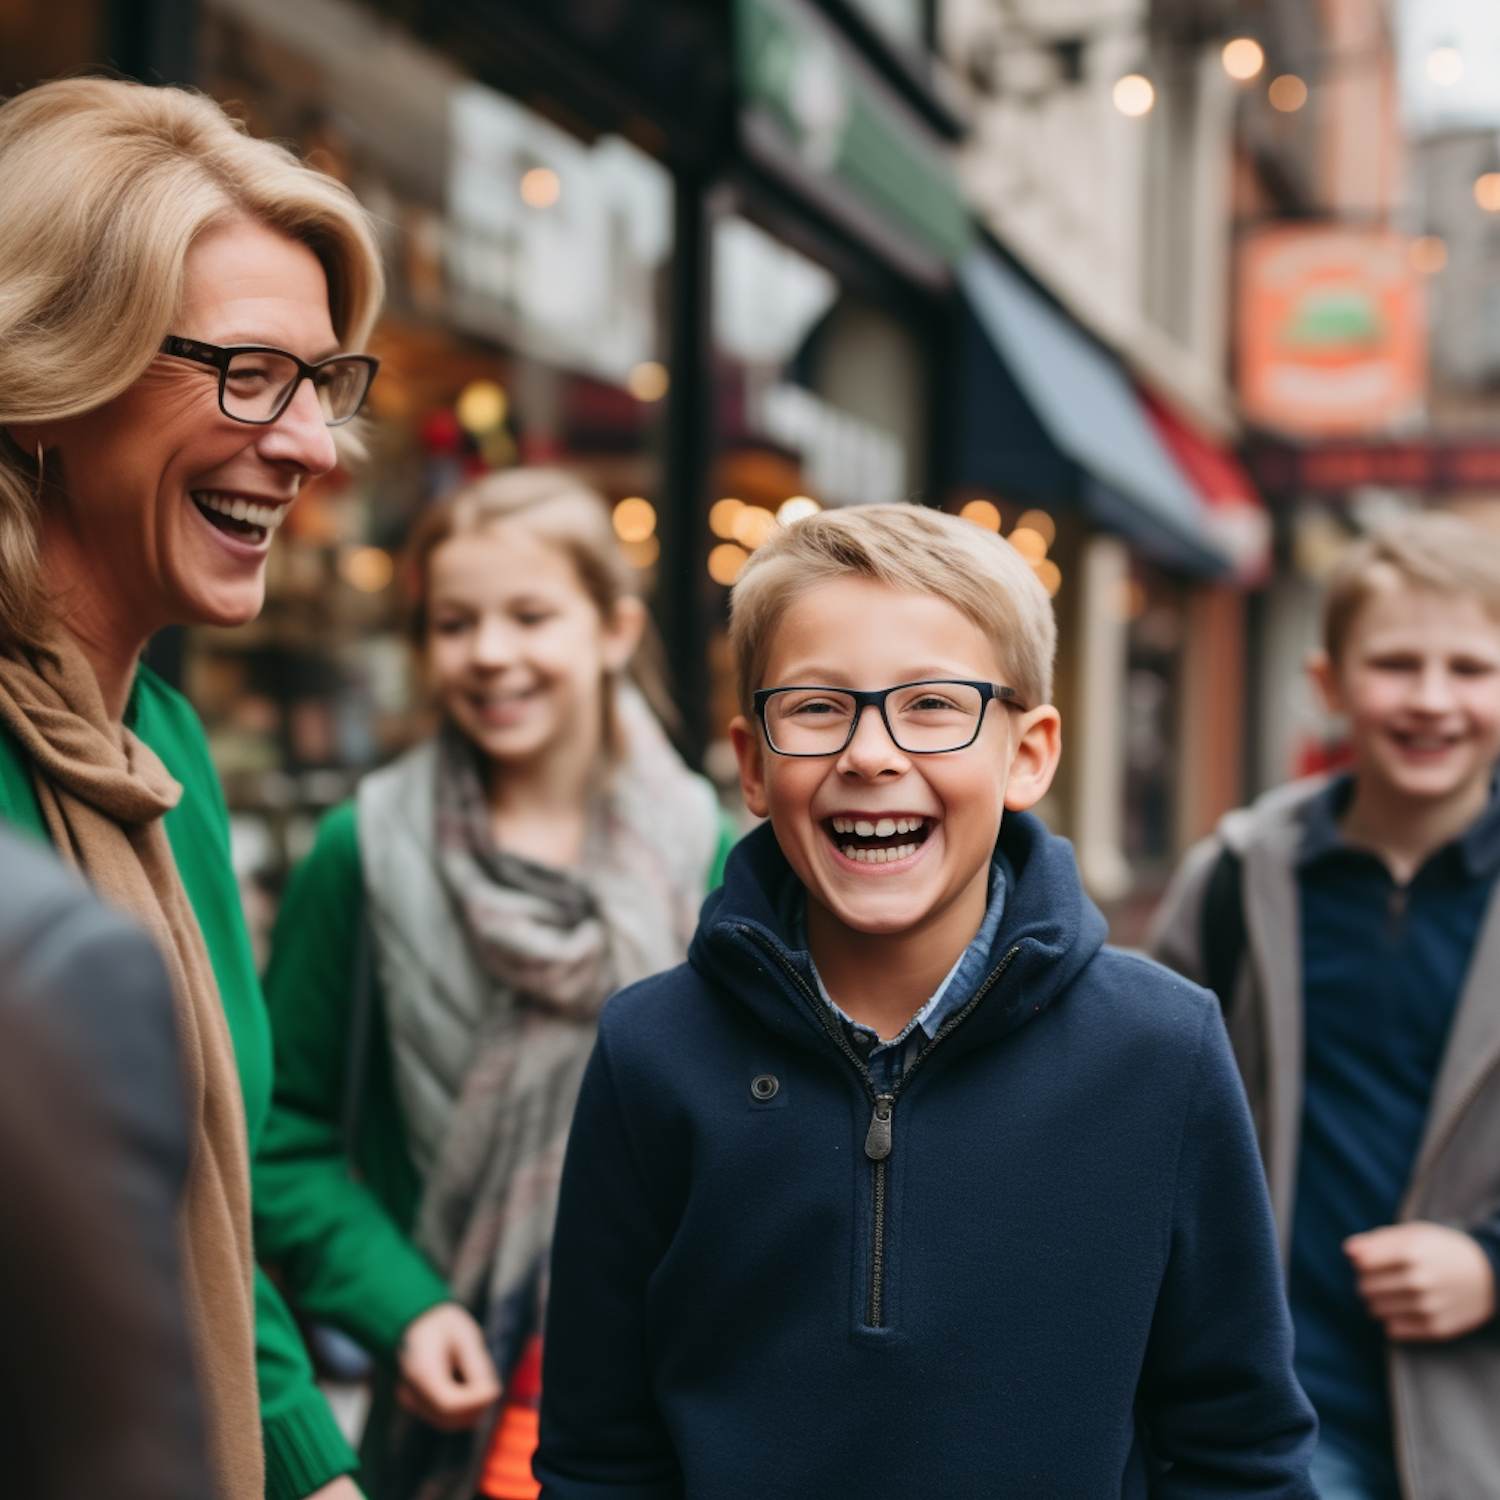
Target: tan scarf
(103, 793)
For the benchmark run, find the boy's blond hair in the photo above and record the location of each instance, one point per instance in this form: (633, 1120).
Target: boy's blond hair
(905, 547)
(1434, 550)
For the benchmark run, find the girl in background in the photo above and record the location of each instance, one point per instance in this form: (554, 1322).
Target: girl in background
(546, 847)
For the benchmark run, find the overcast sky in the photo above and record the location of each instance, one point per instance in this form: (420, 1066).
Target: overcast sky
(1473, 27)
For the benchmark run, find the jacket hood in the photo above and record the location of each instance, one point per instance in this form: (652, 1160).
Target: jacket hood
(1048, 934)
(1271, 814)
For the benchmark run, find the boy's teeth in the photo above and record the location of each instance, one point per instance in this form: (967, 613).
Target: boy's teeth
(878, 856)
(883, 828)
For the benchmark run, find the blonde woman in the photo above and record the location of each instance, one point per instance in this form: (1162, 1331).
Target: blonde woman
(181, 310)
(546, 848)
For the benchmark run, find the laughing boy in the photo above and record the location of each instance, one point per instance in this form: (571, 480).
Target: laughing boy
(905, 1185)
(1351, 925)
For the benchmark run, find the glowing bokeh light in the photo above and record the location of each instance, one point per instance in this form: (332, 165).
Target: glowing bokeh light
(635, 519)
(1243, 58)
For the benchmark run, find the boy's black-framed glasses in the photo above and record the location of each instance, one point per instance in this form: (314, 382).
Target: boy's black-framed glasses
(257, 381)
(922, 718)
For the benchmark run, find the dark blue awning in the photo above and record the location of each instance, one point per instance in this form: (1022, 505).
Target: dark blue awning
(1048, 415)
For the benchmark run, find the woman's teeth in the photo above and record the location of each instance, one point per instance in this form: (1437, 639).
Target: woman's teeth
(237, 508)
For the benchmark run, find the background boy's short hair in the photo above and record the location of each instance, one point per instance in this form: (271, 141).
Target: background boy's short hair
(905, 547)
(1434, 550)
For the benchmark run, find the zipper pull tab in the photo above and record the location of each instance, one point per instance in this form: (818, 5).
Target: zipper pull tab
(878, 1138)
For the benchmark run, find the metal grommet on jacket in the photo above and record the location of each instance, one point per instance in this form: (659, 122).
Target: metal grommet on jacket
(765, 1086)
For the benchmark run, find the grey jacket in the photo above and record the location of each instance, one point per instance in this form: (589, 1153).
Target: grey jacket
(98, 995)
(1445, 1397)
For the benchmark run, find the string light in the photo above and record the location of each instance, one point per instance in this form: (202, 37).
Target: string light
(722, 515)
(634, 519)
(541, 187)
(982, 513)
(1134, 95)
(797, 508)
(481, 406)
(1243, 58)
(1287, 93)
(725, 562)
(648, 381)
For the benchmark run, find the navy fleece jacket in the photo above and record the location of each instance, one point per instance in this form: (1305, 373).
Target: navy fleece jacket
(1049, 1272)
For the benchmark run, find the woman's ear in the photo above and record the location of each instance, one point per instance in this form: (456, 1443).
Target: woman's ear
(623, 631)
(27, 437)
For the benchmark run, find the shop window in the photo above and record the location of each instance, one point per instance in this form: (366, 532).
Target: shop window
(523, 325)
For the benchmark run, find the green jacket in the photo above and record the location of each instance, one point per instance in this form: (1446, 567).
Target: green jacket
(341, 1228)
(304, 1449)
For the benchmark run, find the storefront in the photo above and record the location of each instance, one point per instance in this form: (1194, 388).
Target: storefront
(713, 306)
(713, 258)
(525, 322)
(1147, 534)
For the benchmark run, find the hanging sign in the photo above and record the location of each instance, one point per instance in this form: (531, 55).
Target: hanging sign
(1331, 331)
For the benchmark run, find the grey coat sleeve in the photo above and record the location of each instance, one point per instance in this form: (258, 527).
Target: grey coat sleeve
(96, 989)
(1175, 936)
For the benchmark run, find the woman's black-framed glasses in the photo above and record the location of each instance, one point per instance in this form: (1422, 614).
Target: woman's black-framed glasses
(257, 382)
(922, 718)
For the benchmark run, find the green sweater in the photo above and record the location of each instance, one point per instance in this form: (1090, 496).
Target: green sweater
(304, 1449)
(342, 1228)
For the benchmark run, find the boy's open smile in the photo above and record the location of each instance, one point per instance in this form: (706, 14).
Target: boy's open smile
(894, 848)
(879, 841)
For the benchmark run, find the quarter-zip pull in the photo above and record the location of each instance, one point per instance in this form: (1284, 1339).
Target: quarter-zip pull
(878, 1137)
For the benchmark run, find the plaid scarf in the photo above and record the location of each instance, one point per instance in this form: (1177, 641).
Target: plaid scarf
(545, 949)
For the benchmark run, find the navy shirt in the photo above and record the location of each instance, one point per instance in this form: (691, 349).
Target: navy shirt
(1382, 969)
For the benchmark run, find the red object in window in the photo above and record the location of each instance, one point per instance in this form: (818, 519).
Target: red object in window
(441, 433)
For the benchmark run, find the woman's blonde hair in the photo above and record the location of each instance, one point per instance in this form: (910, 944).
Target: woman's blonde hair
(559, 509)
(104, 186)
(904, 547)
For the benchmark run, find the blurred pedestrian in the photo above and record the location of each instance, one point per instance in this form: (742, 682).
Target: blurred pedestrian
(89, 1374)
(545, 848)
(1351, 930)
(175, 303)
(86, 984)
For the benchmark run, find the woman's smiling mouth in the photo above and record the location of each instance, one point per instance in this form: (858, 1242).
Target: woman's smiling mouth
(239, 516)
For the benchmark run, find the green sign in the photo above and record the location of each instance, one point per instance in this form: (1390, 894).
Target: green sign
(844, 124)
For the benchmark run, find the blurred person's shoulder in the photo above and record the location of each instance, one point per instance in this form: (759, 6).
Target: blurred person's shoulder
(1269, 814)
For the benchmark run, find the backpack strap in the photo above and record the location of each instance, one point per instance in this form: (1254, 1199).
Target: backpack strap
(1223, 933)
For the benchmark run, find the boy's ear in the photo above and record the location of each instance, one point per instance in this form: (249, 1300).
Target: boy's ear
(1033, 762)
(622, 632)
(1325, 679)
(750, 754)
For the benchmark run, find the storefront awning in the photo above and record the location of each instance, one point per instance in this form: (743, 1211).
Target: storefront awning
(1047, 414)
(1237, 514)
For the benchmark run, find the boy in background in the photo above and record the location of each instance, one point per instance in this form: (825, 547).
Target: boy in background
(905, 1185)
(1350, 927)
